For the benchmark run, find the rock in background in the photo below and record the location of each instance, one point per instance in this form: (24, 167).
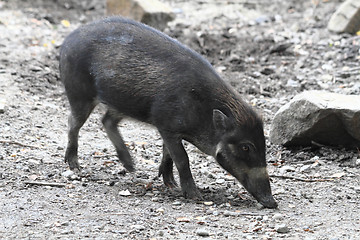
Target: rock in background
(320, 117)
(150, 12)
(346, 18)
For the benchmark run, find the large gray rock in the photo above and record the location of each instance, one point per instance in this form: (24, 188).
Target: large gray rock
(346, 18)
(151, 12)
(321, 117)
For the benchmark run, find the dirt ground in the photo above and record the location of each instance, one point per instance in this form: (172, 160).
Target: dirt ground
(268, 50)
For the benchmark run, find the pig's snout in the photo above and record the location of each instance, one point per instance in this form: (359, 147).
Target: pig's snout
(268, 202)
(257, 183)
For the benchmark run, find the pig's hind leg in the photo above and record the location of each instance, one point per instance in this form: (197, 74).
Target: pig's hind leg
(110, 122)
(166, 169)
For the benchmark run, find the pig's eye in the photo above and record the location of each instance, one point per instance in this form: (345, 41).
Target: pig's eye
(245, 148)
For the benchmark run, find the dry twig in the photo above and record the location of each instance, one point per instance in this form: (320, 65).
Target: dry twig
(18, 143)
(303, 179)
(51, 184)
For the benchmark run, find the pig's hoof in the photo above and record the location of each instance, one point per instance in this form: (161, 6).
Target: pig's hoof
(170, 183)
(73, 165)
(192, 194)
(169, 180)
(130, 168)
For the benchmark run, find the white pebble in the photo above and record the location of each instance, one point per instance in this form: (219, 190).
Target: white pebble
(277, 216)
(125, 193)
(202, 232)
(357, 162)
(282, 228)
(285, 169)
(138, 227)
(67, 174)
(305, 168)
(220, 181)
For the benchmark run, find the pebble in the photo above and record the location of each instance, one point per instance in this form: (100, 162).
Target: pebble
(327, 67)
(327, 78)
(2, 105)
(285, 169)
(282, 228)
(277, 216)
(202, 232)
(292, 83)
(357, 162)
(125, 193)
(160, 210)
(176, 203)
(305, 168)
(68, 174)
(220, 181)
(161, 233)
(138, 227)
(209, 203)
(230, 213)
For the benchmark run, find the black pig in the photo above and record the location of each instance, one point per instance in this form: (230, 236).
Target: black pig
(139, 72)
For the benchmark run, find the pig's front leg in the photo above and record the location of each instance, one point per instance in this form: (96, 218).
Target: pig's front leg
(181, 160)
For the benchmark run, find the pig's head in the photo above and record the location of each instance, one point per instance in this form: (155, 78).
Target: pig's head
(241, 151)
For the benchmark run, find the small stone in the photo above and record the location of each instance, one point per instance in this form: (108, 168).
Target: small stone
(202, 232)
(277, 216)
(282, 228)
(215, 213)
(138, 227)
(2, 105)
(285, 169)
(292, 83)
(125, 193)
(230, 213)
(357, 189)
(68, 174)
(183, 219)
(305, 168)
(357, 162)
(327, 78)
(209, 203)
(327, 67)
(176, 203)
(160, 210)
(220, 181)
(161, 233)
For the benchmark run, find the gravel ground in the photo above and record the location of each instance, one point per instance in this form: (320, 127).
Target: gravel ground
(268, 52)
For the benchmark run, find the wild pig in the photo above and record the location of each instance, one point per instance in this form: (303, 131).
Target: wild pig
(141, 73)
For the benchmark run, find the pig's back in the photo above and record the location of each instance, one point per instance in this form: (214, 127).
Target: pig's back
(131, 65)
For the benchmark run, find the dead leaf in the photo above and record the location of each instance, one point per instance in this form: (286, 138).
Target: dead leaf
(148, 186)
(65, 23)
(109, 162)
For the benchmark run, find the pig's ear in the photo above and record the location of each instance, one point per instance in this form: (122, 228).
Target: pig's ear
(220, 120)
